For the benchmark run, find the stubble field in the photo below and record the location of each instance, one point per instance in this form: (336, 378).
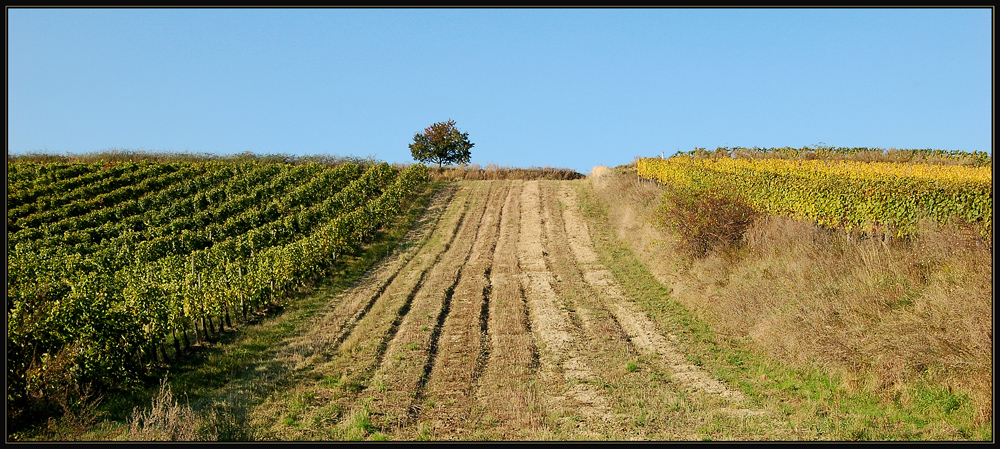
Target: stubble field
(497, 321)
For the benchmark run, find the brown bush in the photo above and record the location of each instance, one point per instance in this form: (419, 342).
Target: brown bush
(53, 388)
(704, 221)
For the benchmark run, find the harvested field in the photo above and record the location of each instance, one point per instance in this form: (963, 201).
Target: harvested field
(495, 320)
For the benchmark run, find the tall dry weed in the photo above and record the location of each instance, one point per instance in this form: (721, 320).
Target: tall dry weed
(166, 420)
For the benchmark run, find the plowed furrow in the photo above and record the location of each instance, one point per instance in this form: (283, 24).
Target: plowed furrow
(336, 322)
(565, 369)
(642, 331)
(495, 319)
(444, 401)
(506, 391)
(599, 326)
(358, 355)
(397, 381)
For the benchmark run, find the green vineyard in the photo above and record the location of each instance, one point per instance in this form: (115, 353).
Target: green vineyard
(111, 263)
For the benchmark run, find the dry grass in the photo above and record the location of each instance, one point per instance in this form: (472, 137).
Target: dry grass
(885, 317)
(492, 172)
(166, 420)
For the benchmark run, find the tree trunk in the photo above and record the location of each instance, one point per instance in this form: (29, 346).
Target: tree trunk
(211, 328)
(177, 343)
(163, 351)
(197, 333)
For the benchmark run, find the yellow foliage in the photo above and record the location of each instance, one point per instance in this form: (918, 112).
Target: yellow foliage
(872, 196)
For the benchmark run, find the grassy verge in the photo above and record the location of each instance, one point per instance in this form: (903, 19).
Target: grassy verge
(208, 395)
(815, 403)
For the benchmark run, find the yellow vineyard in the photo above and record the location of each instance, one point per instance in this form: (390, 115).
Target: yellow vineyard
(871, 196)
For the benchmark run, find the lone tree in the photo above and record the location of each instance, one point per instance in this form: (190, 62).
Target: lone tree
(441, 143)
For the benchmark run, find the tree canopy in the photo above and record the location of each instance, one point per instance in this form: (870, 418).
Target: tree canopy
(442, 143)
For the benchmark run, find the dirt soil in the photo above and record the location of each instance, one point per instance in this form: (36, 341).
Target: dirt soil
(496, 320)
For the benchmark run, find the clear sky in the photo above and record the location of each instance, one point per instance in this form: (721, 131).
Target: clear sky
(569, 88)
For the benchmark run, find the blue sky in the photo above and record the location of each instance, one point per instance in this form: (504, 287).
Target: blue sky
(568, 88)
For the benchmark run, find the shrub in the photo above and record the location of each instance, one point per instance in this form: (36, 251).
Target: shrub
(704, 221)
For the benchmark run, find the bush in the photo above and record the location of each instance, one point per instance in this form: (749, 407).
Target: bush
(704, 221)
